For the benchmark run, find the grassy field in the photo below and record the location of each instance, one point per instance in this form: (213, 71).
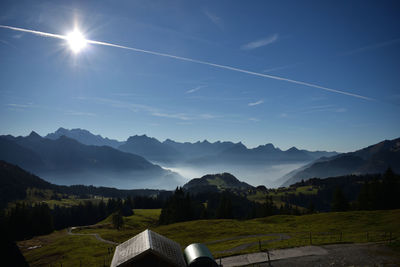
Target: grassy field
(36, 196)
(325, 228)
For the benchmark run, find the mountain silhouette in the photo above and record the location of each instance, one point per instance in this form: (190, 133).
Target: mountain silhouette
(76, 162)
(372, 159)
(85, 137)
(151, 149)
(215, 183)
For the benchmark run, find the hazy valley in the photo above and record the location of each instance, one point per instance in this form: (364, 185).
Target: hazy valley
(263, 165)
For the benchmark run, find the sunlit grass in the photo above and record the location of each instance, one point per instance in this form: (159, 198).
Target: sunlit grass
(325, 228)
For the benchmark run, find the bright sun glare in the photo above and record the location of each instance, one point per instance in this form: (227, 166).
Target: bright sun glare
(76, 41)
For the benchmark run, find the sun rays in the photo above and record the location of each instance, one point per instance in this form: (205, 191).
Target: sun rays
(76, 41)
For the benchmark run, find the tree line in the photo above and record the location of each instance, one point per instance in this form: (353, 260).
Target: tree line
(362, 192)
(182, 206)
(25, 220)
(365, 192)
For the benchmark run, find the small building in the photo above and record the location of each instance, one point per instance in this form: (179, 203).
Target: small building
(148, 249)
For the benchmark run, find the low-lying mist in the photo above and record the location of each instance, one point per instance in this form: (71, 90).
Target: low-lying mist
(255, 175)
(120, 180)
(178, 175)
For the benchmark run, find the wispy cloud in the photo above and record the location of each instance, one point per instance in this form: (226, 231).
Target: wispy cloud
(179, 116)
(22, 107)
(78, 113)
(195, 89)
(207, 116)
(314, 109)
(254, 119)
(18, 36)
(322, 108)
(152, 111)
(260, 43)
(19, 105)
(214, 19)
(119, 104)
(289, 66)
(371, 47)
(256, 103)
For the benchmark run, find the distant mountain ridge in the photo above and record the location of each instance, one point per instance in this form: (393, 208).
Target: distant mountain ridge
(202, 153)
(198, 153)
(150, 148)
(85, 137)
(68, 158)
(372, 159)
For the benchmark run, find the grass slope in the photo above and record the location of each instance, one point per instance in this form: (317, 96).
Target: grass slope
(326, 228)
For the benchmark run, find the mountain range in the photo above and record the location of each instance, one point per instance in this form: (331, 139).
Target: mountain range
(79, 157)
(67, 161)
(372, 159)
(85, 137)
(198, 153)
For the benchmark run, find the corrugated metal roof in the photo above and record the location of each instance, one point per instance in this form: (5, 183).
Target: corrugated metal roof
(148, 241)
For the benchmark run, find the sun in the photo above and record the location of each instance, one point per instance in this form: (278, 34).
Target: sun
(76, 41)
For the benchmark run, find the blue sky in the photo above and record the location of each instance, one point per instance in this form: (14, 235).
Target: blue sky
(349, 46)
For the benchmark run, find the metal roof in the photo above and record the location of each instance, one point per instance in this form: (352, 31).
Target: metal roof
(148, 244)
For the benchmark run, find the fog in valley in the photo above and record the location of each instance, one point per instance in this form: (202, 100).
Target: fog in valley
(177, 175)
(254, 175)
(120, 180)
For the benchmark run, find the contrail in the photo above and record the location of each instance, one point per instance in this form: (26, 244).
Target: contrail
(45, 34)
(52, 35)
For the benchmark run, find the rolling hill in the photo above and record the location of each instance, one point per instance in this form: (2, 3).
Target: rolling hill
(216, 183)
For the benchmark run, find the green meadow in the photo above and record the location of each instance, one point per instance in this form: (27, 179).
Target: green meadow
(221, 236)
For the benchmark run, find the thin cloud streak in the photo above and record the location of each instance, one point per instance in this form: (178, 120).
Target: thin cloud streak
(78, 113)
(260, 43)
(215, 19)
(256, 103)
(156, 112)
(289, 66)
(195, 89)
(314, 109)
(195, 61)
(179, 116)
(371, 47)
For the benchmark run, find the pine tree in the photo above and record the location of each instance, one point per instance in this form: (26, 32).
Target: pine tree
(117, 220)
(339, 202)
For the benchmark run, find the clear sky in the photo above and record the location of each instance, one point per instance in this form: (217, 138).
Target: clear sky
(347, 46)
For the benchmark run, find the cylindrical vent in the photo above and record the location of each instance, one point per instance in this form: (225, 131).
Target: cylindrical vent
(198, 255)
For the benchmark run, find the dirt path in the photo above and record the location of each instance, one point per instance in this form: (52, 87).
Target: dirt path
(367, 254)
(97, 236)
